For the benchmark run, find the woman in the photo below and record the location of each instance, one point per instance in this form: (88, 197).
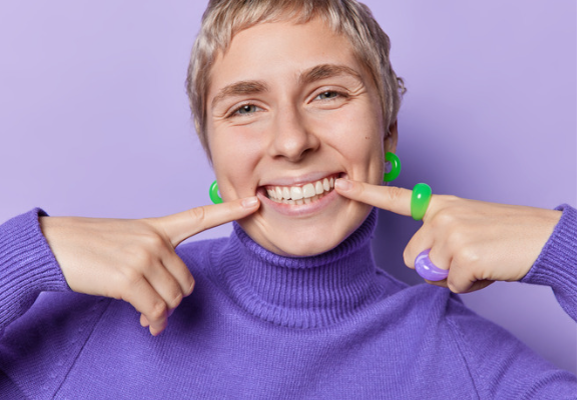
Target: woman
(291, 305)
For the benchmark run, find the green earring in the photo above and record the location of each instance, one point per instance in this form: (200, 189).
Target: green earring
(395, 167)
(213, 193)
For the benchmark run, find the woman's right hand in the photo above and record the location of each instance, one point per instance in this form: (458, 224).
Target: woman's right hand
(134, 260)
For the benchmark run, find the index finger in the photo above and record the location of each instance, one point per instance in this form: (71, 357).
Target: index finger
(183, 225)
(390, 198)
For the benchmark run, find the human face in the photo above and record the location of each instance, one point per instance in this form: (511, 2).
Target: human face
(289, 106)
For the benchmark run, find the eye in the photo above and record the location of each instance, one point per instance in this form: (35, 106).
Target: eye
(245, 109)
(329, 94)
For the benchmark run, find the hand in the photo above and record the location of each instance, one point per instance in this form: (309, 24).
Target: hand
(134, 260)
(478, 242)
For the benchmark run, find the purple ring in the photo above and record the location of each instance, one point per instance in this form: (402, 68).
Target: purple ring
(429, 271)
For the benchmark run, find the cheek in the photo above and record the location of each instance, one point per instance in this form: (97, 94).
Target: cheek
(235, 157)
(356, 133)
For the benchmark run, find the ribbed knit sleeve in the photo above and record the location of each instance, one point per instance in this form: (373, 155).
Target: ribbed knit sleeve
(556, 266)
(27, 266)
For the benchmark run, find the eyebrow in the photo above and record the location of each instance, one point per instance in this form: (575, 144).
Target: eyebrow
(239, 89)
(325, 71)
(309, 76)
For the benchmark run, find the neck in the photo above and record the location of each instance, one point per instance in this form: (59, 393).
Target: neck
(301, 292)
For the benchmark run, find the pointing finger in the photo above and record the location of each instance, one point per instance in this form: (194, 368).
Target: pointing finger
(183, 225)
(390, 198)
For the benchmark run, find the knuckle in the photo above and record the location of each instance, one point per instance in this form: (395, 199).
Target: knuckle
(127, 285)
(443, 218)
(457, 284)
(456, 240)
(157, 310)
(407, 257)
(198, 213)
(453, 287)
(446, 201)
(450, 199)
(141, 257)
(131, 277)
(154, 241)
(467, 256)
(177, 298)
(181, 272)
(394, 193)
(189, 283)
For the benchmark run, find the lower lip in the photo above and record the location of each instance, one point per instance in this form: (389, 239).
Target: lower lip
(298, 209)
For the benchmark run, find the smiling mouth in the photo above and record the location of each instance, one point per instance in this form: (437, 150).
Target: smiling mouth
(302, 194)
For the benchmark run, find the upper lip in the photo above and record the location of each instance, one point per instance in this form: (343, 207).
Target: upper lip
(300, 180)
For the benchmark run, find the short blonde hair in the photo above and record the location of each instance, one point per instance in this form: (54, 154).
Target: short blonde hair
(224, 18)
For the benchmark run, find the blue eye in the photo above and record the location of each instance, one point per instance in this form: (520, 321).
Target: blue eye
(246, 109)
(328, 95)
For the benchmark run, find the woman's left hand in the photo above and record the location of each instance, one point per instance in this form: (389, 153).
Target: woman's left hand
(478, 242)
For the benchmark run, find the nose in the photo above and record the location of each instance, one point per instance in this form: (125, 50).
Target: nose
(291, 138)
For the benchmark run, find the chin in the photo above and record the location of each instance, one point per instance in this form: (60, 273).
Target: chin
(307, 245)
(297, 237)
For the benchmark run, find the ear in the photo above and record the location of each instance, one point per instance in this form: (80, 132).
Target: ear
(391, 138)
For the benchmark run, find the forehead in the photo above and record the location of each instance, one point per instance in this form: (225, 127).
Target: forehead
(269, 51)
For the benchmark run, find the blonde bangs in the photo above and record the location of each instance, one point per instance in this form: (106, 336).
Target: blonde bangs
(225, 18)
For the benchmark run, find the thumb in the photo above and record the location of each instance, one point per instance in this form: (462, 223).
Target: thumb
(183, 225)
(390, 198)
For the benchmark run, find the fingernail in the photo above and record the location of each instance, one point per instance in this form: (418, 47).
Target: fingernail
(343, 184)
(249, 202)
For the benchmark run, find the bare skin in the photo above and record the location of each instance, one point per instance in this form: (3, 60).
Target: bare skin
(295, 126)
(478, 242)
(134, 260)
(295, 129)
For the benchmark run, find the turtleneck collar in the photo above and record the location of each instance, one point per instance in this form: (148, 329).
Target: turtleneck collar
(299, 292)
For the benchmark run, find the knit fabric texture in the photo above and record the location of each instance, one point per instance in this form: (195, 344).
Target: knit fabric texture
(263, 326)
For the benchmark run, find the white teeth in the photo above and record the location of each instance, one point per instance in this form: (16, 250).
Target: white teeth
(301, 194)
(296, 193)
(309, 190)
(306, 200)
(319, 189)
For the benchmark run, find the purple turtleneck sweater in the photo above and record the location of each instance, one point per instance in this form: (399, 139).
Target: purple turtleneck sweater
(262, 326)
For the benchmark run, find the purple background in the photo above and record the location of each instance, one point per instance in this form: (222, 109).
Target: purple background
(94, 120)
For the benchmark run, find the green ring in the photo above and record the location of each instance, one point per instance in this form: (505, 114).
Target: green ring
(395, 167)
(420, 200)
(213, 193)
